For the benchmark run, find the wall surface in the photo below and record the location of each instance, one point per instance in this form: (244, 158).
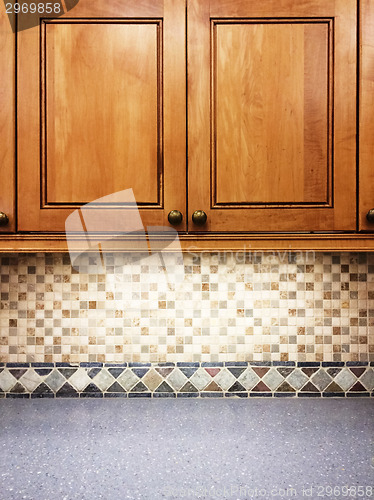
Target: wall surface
(253, 307)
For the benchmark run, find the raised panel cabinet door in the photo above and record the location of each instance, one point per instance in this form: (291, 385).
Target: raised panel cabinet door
(101, 109)
(272, 115)
(7, 124)
(366, 128)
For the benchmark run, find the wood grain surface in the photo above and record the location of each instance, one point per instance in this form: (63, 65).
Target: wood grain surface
(7, 121)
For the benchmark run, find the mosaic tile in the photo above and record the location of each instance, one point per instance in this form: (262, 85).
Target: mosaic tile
(236, 371)
(188, 372)
(152, 379)
(308, 364)
(357, 387)
(200, 379)
(116, 365)
(290, 309)
(116, 388)
(309, 387)
(334, 387)
(177, 379)
(261, 372)
(236, 395)
(116, 372)
(92, 372)
(261, 387)
(368, 379)
(297, 379)
(127, 379)
(164, 372)
(309, 371)
(14, 395)
(18, 388)
(283, 363)
(67, 391)
(103, 379)
(213, 387)
(345, 379)
(55, 381)
(285, 371)
(237, 387)
(225, 383)
(43, 371)
(92, 390)
(224, 379)
(80, 379)
(139, 387)
(248, 379)
(212, 371)
(272, 379)
(321, 379)
(18, 373)
(285, 387)
(188, 387)
(42, 391)
(31, 380)
(68, 372)
(7, 381)
(140, 372)
(164, 387)
(358, 394)
(357, 371)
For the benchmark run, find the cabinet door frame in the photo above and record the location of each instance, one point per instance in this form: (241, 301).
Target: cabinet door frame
(7, 121)
(33, 216)
(366, 114)
(341, 214)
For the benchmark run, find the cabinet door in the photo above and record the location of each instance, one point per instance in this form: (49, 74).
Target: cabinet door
(101, 109)
(366, 131)
(271, 114)
(7, 121)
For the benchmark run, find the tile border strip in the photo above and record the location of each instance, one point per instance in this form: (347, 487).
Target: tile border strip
(183, 379)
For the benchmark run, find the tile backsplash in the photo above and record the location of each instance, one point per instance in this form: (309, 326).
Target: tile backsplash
(225, 307)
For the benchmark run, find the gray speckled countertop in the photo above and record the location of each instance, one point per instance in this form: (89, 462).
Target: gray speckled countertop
(137, 449)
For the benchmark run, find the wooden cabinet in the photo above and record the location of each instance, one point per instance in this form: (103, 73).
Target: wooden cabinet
(101, 109)
(243, 109)
(272, 114)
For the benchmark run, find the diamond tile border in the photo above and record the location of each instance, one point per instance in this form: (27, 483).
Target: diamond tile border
(229, 379)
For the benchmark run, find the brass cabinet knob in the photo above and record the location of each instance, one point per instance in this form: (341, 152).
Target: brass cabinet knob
(175, 217)
(3, 219)
(199, 217)
(370, 215)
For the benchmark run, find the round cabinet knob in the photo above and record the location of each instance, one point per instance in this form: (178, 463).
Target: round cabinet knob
(199, 217)
(370, 215)
(3, 219)
(175, 217)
